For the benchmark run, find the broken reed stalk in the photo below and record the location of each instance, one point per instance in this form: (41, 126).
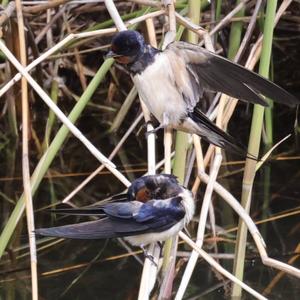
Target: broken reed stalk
(253, 147)
(25, 156)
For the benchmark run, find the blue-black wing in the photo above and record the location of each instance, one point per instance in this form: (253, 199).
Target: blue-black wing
(213, 72)
(124, 219)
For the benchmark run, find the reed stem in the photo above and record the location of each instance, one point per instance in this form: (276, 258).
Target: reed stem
(253, 147)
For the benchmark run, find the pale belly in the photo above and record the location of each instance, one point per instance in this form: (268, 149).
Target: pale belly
(157, 90)
(147, 238)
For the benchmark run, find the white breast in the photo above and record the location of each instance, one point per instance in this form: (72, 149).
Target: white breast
(147, 238)
(157, 89)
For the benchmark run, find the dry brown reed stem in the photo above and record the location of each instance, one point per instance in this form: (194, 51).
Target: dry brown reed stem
(6, 13)
(170, 246)
(168, 131)
(37, 8)
(189, 25)
(25, 156)
(49, 24)
(171, 34)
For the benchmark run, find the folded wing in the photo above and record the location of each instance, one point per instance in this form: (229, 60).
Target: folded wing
(123, 219)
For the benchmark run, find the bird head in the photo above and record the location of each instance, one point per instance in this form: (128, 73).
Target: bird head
(126, 46)
(150, 187)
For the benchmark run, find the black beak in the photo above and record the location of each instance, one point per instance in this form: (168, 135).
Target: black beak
(112, 54)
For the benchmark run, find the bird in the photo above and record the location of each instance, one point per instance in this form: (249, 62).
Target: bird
(171, 83)
(154, 208)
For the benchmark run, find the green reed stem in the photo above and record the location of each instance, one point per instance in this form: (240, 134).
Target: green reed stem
(50, 154)
(235, 34)
(235, 38)
(253, 146)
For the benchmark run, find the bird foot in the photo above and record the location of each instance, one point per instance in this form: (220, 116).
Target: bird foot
(149, 256)
(153, 130)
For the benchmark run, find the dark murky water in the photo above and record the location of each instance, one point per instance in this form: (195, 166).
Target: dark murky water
(69, 262)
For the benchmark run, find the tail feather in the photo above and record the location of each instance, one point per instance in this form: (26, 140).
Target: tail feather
(100, 229)
(205, 128)
(85, 211)
(92, 210)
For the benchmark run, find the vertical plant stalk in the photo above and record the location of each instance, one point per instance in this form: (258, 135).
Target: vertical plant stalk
(170, 246)
(253, 147)
(235, 37)
(25, 156)
(149, 274)
(181, 144)
(235, 34)
(51, 116)
(206, 204)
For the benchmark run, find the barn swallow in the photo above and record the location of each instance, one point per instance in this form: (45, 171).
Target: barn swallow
(155, 208)
(172, 81)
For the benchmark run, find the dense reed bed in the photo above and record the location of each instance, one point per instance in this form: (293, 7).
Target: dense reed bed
(59, 47)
